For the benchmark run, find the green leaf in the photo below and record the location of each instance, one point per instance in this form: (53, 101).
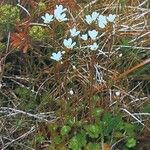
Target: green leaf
(82, 138)
(74, 144)
(147, 108)
(130, 129)
(70, 120)
(24, 93)
(78, 141)
(57, 140)
(109, 123)
(39, 138)
(125, 41)
(97, 112)
(93, 130)
(131, 142)
(92, 146)
(65, 130)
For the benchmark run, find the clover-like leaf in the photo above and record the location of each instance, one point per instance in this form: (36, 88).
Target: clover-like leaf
(65, 130)
(131, 142)
(93, 130)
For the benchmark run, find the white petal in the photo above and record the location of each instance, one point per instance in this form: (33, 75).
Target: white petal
(102, 19)
(65, 42)
(47, 18)
(88, 19)
(93, 34)
(71, 92)
(117, 93)
(95, 15)
(43, 17)
(111, 18)
(73, 44)
(56, 56)
(61, 17)
(101, 25)
(94, 46)
(84, 37)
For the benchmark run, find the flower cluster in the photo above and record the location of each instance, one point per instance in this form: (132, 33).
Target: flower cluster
(92, 34)
(60, 15)
(91, 18)
(101, 20)
(68, 43)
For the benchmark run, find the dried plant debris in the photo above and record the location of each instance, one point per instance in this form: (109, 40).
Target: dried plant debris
(75, 75)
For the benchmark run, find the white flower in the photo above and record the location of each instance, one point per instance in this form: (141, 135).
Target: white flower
(93, 34)
(1, 85)
(111, 18)
(102, 21)
(93, 47)
(61, 17)
(90, 18)
(95, 15)
(56, 56)
(84, 37)
(74, 67)
(59, 9)
(59, 13)
(71, 92)
(63, 52)
(117, 93)
(120, 55)
(74, 32)
(47, 18)
(69, 43)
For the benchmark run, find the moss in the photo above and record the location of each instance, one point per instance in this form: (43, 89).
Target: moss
(37, 33)
(42, 6)
(10, 15)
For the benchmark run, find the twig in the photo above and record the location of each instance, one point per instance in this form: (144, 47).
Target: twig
(125, 73)
(19, 138)
(91, 3)
(139, 121)
(36, 116)
(8, 42)
(24, 9)
(141, 114)
(113, 146)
